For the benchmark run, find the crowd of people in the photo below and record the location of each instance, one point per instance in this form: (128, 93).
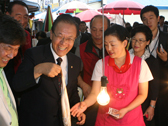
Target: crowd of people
(39, 85)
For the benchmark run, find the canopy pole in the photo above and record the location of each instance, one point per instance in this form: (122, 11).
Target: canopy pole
(123, 19)
(103, 66)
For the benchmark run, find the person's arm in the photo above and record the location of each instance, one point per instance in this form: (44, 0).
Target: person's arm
(92, 97)
(143, 92)
(96, 86)
(29, 71)
(86, 88)
(164, 41)
(144, 77)
(153, 103)
(79, 108)
(48, 69)
(150, 110)
(153, 87)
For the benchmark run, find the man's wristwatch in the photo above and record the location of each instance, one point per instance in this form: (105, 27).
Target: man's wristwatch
(152, 106)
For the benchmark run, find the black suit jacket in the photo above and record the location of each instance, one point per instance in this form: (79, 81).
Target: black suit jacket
(84, 38)
(40, 103)
(164, 28)
(163, 39)
(43, 41)
(161, 111)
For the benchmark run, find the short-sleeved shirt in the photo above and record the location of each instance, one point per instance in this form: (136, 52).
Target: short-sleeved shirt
(145, 73)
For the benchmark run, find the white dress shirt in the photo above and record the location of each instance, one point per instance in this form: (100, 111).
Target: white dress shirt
(153, 45)
(64, 64)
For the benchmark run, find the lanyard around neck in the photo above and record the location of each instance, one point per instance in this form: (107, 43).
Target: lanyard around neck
(154, 46)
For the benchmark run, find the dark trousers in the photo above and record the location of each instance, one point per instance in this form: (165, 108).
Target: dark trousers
(91, 114)
(161, 112)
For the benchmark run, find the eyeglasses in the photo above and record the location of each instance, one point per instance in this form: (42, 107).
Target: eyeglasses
(139, 41)
(61, 38)
(8, 48)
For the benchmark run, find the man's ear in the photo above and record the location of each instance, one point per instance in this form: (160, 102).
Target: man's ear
(158, 18)
(7, 13)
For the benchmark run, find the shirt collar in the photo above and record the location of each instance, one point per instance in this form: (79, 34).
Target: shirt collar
(155, 39)
(56, 56)
(124, 67)
(144, 56)
(154, 44)
(1, 69)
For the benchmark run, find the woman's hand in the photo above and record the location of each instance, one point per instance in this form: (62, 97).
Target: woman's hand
(150, 112)
(121, 113)
(78, 109)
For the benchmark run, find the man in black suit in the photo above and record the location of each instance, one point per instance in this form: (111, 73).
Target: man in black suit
(83, 29)
(150, 17)
(82, 37)
(37, 77)
(43, 41)
(163, 27)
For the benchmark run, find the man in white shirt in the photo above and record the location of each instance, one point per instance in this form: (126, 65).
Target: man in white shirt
(38, 77)
(158, 48)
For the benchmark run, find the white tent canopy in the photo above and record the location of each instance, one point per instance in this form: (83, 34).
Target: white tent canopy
(43, 14)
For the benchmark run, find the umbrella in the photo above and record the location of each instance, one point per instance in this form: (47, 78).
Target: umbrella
(40, 15)
(72, 6)
(48, 21)
(77, 11)
(87, 15)
(124, 7)
(43, 14)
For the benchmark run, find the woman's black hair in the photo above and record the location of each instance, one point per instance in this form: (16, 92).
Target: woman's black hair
(149, 8)
(66, 18)
(143, 29)
(42, 34)
(119, 31)
(11, 31)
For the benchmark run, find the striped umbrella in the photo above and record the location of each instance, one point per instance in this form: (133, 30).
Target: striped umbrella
(48, 21)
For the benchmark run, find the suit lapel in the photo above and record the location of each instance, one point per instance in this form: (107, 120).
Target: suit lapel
(10, 92)
(70, 69)
(3, 99)
(11, 96)
(48, 57)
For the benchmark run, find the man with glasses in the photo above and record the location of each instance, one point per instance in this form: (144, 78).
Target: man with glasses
(9, 44)
(38, 77)
(158, 48)
(19, 11)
